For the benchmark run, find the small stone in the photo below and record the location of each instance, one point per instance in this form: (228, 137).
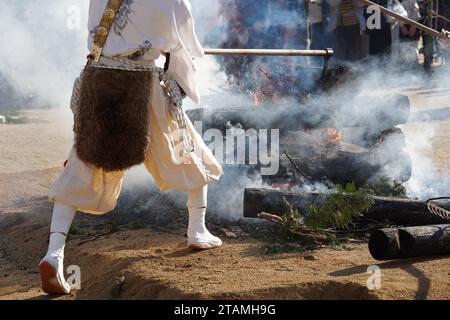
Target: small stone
(310, 257)
(284, 268)
(229, 233)
(217, 270)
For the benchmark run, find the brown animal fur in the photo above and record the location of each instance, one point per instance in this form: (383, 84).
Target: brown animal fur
(112, 121)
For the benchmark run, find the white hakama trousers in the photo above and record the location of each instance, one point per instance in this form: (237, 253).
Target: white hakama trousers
(94, 191)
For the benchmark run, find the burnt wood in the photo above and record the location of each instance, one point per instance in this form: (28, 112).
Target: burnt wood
(375, 113)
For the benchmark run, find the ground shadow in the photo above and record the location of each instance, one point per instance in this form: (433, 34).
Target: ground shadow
(407, 265)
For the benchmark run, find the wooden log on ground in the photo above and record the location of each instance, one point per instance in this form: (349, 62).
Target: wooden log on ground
(384, 244)
(382, 112)
(425, 240)
(348, 163)
(399, 211)
(412, 242)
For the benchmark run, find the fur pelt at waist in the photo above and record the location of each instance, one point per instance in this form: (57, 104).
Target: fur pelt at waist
(112, 121)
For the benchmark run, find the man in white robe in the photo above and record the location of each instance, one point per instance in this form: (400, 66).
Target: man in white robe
(143, 28)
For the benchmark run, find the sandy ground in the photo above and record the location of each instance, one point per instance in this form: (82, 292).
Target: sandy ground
(156, 265)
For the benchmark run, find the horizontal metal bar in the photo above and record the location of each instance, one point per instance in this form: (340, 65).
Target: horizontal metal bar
(401, 18)
(269, 52)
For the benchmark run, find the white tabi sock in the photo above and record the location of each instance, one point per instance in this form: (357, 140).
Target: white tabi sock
(198, 235)
(61, 221)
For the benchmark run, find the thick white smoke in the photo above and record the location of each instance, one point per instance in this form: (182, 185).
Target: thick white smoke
(43, 48)
(43, 45)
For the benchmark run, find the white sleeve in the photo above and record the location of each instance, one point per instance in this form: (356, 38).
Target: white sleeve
(182, 66)
(186, 29)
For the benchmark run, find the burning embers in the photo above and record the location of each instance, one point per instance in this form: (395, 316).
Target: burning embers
(278, 80)
(356, 140)
(332, 135)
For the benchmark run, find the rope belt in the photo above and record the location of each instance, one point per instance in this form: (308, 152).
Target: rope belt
(176, 98)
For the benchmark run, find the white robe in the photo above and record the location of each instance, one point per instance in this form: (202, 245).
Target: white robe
(166, 25)
(154, 26)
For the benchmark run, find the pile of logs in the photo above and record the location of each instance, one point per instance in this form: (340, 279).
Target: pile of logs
(427, 235)
(370, 142)
(412, 242)
(372, 113)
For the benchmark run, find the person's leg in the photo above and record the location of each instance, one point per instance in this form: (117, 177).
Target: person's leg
(198, 235)
(51, 267)
(83, 187)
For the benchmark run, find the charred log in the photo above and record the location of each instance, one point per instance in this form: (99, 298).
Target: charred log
(343, 162)
(376, 113)
(398, 211)
(388, 244)
(338, 163)
(384, 244)
(379, 113)
(346, 167)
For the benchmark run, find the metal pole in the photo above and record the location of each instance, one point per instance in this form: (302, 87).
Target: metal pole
(270, 52)
(394, 15)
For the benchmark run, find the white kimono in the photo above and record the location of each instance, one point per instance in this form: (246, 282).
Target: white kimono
(166, 25)
(148, 26)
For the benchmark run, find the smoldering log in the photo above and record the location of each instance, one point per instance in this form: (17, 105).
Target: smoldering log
(412, 242)
(383, 112)
(377, 113)
(346, 167)
(344, 161)
(399, 211)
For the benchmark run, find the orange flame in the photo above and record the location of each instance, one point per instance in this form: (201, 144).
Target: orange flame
(257, 99)
(333, 135)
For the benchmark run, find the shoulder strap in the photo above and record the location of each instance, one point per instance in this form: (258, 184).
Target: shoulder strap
(106, 23)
